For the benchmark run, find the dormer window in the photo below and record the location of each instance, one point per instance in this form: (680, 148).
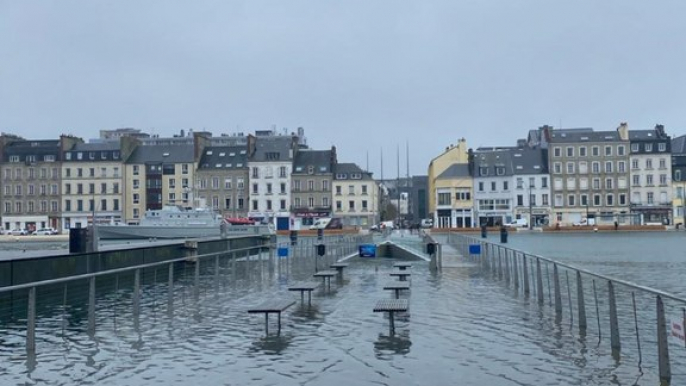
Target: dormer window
(500, 171)
(310, 169)
(209, 152)
(483, 171)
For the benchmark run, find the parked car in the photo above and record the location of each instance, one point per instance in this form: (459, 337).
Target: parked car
(19, 232)
(518, 223)
(45, 232)
(427, 223)
(584, 222)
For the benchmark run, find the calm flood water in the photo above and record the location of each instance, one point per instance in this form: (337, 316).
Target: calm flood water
(463, 328)
(653, 259)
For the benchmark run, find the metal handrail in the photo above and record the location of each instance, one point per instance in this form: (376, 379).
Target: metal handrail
(587, 272)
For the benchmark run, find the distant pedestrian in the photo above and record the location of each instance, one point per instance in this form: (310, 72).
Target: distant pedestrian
(616, 225)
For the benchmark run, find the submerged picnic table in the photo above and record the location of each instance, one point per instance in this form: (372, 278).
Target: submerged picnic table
(402, 275)
(326, 276)
(274, 306)
(304, 287)
(402, 265)
(338, 266)
(397, 286)
(392, 306)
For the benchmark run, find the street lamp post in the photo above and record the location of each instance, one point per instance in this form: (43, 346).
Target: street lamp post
(531, 212)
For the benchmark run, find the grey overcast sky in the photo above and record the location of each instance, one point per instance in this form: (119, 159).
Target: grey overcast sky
(362, 75)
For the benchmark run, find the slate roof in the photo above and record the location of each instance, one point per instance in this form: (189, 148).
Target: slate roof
(529, 161)
(350, 168)
(583, 135)
(644, 135)
(156, 153)
(96, 146)
(454, 171)
(491, 160)
(281, 145)
(224, 158)
(38, 148)
(679, 145)
(320, 159)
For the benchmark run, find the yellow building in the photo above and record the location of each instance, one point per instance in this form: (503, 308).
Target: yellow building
(447, 180)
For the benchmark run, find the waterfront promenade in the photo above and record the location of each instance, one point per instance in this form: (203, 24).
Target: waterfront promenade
(463, 327)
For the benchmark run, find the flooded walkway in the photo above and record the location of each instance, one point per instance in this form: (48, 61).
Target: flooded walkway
(462, 328)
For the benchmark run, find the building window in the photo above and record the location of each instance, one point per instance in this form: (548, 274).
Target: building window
(608, 166)
(649, 164)
(608, 150)
(595, 151)
(255, 189)
(610, 200)
(254, 205)
(310, 185)
(609, 183)
(649, 147)
(583, 200)
(663, 180)
(582, 151)
(570, 151)
(662, 146)
(571, 200)
(635, 180)
(595, 167)
(663, 163)
(557, 151)
(255, 172)
(351, 205)
(269, 188)
(443, 198)
(620, 150)
(493, 187)
(544, 182)
(649, 180)
(634, 148)
(184, 168)
(570, 167)
(339, 205)
(596, 200)
(621, 167)
(557, 167)
(351, 190)
(283, 205)
(481, 186)
(310, 202)
(136, 213)
(269, 204)
(558, 200)
(622, 199)
(282, 172)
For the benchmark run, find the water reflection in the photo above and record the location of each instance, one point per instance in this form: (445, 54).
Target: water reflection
(398, 343)
(272, 344)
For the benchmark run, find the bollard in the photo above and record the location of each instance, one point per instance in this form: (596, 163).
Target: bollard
(170, 293)
(31, 321)
(91, 306)
(483, 231)
(503, 235)
(515, 270)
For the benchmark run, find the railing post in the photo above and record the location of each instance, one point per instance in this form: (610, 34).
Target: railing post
(91, 305)
(662, 346)
(507, 267)
(500, 263)
(515, 270)
(558, 295)
(580, 302)
(136, 293)
(525, 275)
(614, 322)
(196, 278)
(539, 281)
(170, 294)
(31, 322)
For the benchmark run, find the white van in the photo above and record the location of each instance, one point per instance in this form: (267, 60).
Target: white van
(518, 223)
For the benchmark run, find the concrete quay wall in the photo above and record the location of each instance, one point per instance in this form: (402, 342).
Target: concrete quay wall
(53, 266)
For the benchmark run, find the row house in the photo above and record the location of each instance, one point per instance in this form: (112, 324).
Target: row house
(453, 154)
(651, 174)
(678, 156)
(355, 196)
(590, 173)
(454, 197)
(270, 162)
(531, 185)
(311, 181)
(223, 179)
(493, 187)
(30, 195)
(91, 184)
(158, 175)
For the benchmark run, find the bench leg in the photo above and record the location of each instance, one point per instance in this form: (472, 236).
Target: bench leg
(392, 322)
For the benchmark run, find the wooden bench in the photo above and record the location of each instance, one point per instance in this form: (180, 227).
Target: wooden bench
(339, 267)
(326, 276)
(304, 287)
(274, 306)
(392, 306)
(402, 265)
(402, 275)
(397, 286)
